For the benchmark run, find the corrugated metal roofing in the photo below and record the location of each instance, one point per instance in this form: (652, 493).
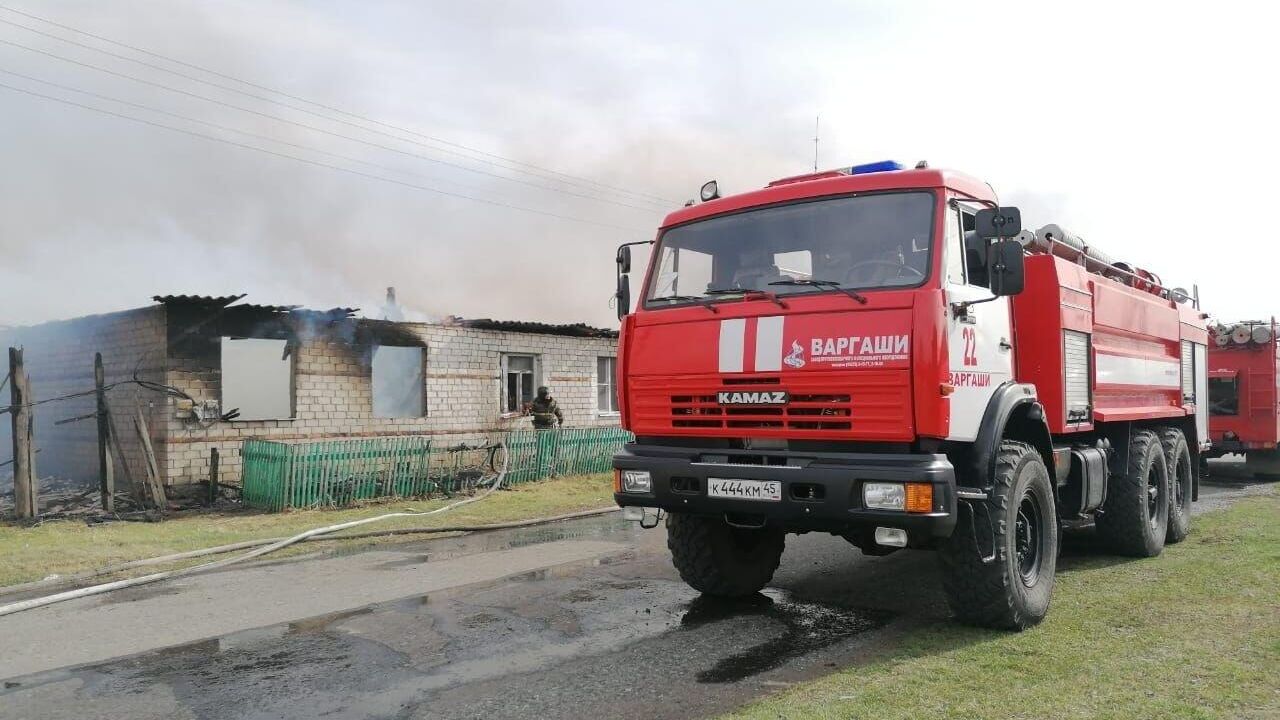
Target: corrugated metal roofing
(225, 301)
(218, 300)
(538, 328)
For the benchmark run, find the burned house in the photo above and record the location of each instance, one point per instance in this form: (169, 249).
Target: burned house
(286, 373)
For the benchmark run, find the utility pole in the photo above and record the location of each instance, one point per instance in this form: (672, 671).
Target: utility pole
(816, 119)
(26, 494)
(106, 471)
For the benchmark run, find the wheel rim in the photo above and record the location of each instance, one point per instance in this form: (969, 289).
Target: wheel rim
(1154, 493)
(1027, 538)
(1181, 483)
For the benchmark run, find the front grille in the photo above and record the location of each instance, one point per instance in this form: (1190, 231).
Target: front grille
(866, 404)
(811, 411)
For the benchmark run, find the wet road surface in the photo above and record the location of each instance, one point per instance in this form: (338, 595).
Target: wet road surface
(581, 619)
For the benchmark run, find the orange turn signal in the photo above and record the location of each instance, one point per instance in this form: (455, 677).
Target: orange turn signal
(617, 481)
(919, 497)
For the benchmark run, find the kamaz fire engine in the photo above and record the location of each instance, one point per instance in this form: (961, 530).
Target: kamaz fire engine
(1244, 405)
(883, 354)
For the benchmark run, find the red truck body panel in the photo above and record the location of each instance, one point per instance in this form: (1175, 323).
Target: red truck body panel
(1250, 371)
(1135, 344)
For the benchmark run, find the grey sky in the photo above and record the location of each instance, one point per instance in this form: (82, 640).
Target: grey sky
(1145, 127)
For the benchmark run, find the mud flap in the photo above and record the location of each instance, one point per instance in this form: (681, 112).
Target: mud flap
(990, 534)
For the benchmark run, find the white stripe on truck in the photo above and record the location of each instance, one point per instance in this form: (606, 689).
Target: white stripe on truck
(733, 340)
(769, 344)
(1124, 370)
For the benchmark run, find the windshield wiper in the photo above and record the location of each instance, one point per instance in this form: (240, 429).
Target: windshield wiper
(696, 299)
(745, 292)
(825, 283)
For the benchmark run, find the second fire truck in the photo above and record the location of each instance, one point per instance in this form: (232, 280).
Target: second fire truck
(883, 355)
(1244, 397)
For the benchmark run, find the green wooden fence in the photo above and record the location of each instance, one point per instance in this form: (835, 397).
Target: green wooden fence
(338, 473)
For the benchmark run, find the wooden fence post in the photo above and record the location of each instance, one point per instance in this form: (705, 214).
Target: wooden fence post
(26, 492)
(213, 476)
(106, 470)
(155, 486)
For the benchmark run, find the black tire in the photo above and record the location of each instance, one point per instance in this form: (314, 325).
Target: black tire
(1135, 515)
(718, 559)
(1177, 456)
(1011, 592)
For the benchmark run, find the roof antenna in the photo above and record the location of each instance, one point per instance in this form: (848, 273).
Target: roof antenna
(816, 119)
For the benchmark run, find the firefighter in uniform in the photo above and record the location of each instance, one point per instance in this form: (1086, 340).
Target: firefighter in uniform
(545, 411)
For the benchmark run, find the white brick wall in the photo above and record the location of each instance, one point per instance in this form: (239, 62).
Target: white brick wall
(332, 390)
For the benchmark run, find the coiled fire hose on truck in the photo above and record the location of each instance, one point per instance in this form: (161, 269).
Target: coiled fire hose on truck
(270, 545)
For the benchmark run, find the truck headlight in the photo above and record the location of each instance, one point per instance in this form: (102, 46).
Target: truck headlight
(884, 496)
(636, 481)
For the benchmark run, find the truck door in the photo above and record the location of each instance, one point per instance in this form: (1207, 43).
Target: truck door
(979, 339)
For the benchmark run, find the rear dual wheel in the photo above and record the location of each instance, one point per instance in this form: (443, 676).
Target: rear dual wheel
(1134, 519)
(1177, 457)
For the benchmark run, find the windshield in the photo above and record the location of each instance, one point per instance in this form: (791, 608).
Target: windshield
(862, 242)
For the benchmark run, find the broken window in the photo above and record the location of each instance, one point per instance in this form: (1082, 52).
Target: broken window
(606, 389)
(257, 379)
(519, 374)
(398, 385)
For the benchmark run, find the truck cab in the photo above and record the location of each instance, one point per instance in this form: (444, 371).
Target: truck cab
(837, 352)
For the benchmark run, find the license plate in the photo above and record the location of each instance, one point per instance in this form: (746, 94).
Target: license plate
(767, 490)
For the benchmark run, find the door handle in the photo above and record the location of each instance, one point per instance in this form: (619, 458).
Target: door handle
(1005, 345)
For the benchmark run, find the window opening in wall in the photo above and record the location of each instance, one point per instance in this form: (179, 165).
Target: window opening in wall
(519, 381)
(257, 379)
(606, 389)
(398, 382)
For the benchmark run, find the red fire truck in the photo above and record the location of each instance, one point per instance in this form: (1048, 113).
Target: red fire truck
(1243, 397)
(881, 354)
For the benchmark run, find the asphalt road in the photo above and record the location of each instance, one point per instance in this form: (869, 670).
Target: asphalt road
(578, 619)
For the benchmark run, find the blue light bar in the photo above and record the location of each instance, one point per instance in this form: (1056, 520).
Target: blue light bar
(875, 167)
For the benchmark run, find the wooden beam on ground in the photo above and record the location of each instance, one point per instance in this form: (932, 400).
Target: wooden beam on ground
(26, 492)
(155, 487)
(106, 471)
(135, 486)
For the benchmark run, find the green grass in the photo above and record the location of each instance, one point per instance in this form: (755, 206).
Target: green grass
(1194, 633)
(67, 546)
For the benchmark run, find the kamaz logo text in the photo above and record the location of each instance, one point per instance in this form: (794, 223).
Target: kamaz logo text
(776, 397)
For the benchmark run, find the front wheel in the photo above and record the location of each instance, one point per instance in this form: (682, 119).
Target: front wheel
(716, 558)
(998, 566)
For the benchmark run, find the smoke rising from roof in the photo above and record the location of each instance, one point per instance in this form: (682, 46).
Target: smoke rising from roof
(98, 213)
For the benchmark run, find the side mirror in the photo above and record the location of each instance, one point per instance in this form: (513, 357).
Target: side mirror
(1004, 222)
(623, 296)
(1007, 268)
(624, 259)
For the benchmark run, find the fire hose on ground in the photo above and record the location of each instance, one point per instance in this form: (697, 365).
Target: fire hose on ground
(270, 545)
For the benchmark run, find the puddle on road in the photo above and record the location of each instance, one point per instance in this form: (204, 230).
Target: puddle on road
(436, 549)
(807, 627)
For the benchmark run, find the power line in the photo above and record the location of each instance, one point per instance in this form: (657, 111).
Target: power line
(567, 177)
(314, 128)
(317, 163)
(225, 128)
